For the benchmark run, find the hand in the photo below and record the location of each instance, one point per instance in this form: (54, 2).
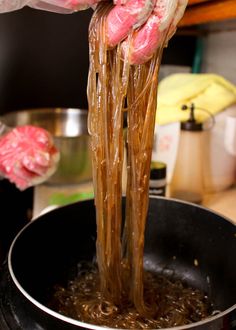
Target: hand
(27, 156)
(153, 20)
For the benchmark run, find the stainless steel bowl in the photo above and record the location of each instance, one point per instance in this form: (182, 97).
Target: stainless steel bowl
(69, 130)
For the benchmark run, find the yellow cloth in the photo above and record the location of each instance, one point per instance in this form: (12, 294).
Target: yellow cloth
(208, 91)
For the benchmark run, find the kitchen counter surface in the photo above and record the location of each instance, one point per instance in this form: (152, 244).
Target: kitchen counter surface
(223, 202)
(46, 195)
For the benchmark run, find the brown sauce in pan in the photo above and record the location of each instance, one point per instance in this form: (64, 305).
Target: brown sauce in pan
(172, 302)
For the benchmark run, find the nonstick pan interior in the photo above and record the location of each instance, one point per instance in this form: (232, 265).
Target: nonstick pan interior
(182, 239)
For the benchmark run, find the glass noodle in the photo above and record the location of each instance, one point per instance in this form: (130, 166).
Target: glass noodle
(118, 293)
(114, 84)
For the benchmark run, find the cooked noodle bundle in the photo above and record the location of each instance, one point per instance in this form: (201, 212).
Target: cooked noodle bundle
(112, 85)
(120, 294)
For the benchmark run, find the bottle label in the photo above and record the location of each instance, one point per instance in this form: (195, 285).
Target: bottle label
(157, 183)
(161, 191)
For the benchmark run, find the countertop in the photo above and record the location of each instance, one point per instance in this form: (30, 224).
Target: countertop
(47, 195)
(223, 202)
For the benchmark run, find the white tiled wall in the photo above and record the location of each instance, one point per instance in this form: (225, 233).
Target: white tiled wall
(220, 50)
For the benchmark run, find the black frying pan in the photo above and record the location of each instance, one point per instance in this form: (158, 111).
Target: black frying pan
(199, 246)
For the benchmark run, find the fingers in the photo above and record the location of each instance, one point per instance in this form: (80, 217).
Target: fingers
(41, 156)
(27, 156)
(37, 163)
(125, 16)
(150, 36)
(22, 177)
(145, 42)
(31, 172)
(14, 171)
(182, 4)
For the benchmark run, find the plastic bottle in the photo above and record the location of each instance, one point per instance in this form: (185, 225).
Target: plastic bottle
(187, 182)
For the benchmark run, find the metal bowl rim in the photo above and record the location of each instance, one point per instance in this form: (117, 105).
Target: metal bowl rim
(45, 111)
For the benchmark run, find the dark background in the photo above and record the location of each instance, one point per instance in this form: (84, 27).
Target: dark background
(44, 63)
(44, 59)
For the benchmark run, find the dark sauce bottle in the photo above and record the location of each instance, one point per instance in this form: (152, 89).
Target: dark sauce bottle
(157, 184)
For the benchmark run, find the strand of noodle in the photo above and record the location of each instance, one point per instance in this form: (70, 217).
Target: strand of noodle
(113, 197)
(140, 164)
(95, 129)
(135, 121)
(114, 175)
(144, 89)
(110, 99)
